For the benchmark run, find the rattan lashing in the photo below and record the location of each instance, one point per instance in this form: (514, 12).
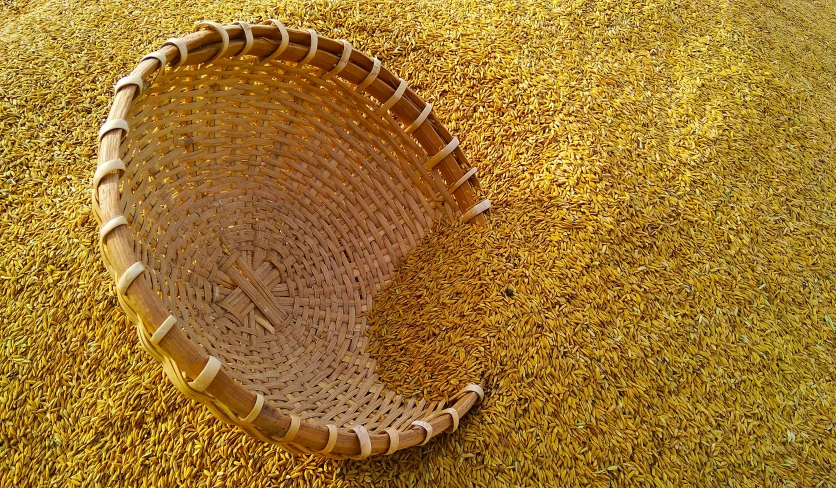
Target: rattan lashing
(252, 200)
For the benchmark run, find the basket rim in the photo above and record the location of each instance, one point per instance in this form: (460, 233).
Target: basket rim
(180, 356)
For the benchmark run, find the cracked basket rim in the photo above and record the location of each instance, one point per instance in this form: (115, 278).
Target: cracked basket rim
(193, 372)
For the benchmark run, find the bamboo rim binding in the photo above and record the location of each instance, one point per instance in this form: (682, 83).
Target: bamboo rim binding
(428, 175)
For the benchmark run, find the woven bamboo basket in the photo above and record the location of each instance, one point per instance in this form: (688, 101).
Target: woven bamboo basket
(256, 187)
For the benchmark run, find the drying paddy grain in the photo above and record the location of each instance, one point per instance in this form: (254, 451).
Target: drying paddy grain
(652, 301)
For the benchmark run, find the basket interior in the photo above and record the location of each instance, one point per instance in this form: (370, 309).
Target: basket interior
(270, 206)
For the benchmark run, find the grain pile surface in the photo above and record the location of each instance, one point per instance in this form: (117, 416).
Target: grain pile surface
(653, 301)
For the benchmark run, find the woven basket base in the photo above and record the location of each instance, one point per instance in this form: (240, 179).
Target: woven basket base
(281, 205)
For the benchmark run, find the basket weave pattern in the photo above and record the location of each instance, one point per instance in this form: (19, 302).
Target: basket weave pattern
(252, 201)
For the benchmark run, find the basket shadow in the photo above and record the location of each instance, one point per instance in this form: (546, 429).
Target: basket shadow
(433, 326)
(453, 313)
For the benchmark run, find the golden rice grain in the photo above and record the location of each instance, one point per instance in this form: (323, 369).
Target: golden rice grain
(651, 303)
